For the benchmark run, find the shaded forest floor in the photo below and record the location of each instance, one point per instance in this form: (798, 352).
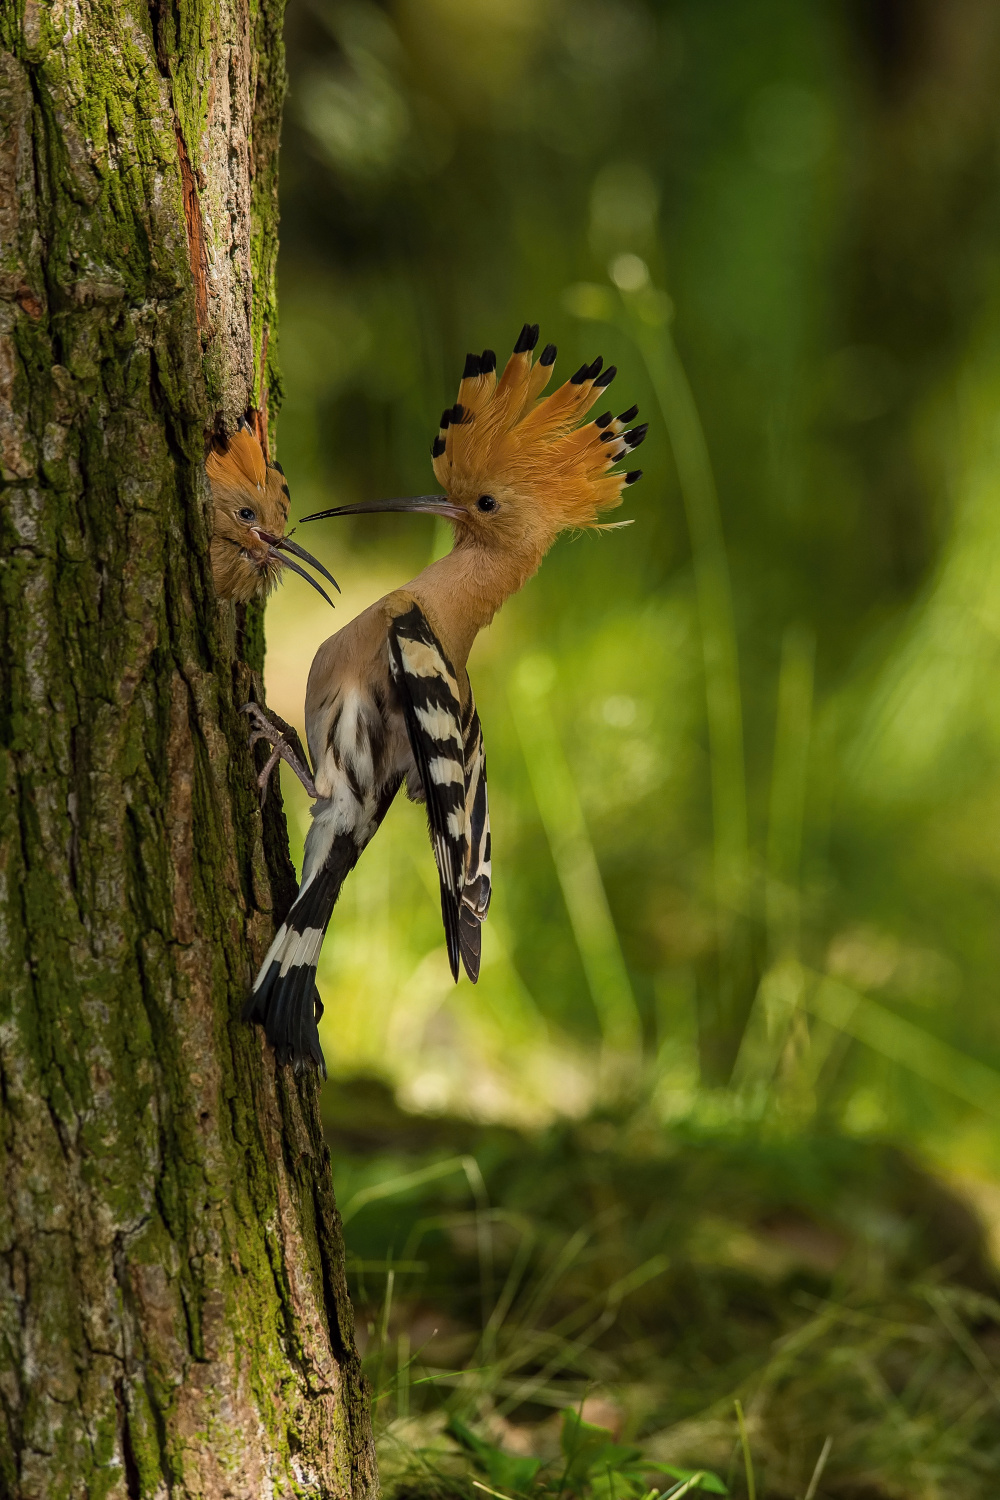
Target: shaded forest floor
(576, 1312)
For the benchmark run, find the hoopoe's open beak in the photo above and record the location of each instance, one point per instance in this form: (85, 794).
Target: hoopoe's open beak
(429, 505)
(279, 544)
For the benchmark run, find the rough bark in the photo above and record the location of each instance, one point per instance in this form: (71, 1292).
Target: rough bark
(174, 1318)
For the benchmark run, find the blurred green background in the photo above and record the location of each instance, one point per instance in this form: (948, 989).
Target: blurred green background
(744, 755)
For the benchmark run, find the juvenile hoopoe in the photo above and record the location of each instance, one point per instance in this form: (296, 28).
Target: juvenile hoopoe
(389, 698)
(249, 514)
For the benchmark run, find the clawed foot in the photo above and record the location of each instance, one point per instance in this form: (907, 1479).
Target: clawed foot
(287, 747)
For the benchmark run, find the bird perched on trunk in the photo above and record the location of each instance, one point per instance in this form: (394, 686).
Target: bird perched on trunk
(389, 698)
(249, 514)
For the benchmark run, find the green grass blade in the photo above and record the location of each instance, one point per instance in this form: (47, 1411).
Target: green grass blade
(788, 789)
(905, 1043)
(574, 858)
(407, 1180)
(817, 1473)
(715, 601)
(747, 1459)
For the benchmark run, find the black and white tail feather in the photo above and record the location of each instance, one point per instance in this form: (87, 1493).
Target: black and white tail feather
(477, 881)
(448, 750)
(446, 746)
(284, 998)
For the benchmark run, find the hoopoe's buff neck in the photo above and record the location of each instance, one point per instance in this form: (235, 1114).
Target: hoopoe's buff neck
(460, 593)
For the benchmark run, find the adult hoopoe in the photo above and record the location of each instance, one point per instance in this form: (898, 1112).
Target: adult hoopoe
(249, 513)
(389, 698)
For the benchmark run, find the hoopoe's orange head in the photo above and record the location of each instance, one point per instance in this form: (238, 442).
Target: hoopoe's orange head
(523, 468)
(250, 504)
(518, 469)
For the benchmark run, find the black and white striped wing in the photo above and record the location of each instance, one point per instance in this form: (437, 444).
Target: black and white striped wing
(477, 875)
(428, 689)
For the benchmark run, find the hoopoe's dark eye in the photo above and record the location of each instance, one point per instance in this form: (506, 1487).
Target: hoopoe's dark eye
(486, 503)
(246, 514)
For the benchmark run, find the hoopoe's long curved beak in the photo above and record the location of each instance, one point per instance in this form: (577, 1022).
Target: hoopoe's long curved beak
(279, 544)
(285, 544)
(430, 505)
(286, 562)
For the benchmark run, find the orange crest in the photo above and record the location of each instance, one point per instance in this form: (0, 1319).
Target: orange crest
(240, 463)
(500, 434)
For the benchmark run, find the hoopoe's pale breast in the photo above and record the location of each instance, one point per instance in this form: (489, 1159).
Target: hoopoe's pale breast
(354, 722)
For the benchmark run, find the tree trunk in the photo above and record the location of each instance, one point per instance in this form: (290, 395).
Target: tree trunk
(174, 1318)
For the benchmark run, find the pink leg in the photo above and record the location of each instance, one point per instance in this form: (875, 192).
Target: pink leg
(287, 747)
